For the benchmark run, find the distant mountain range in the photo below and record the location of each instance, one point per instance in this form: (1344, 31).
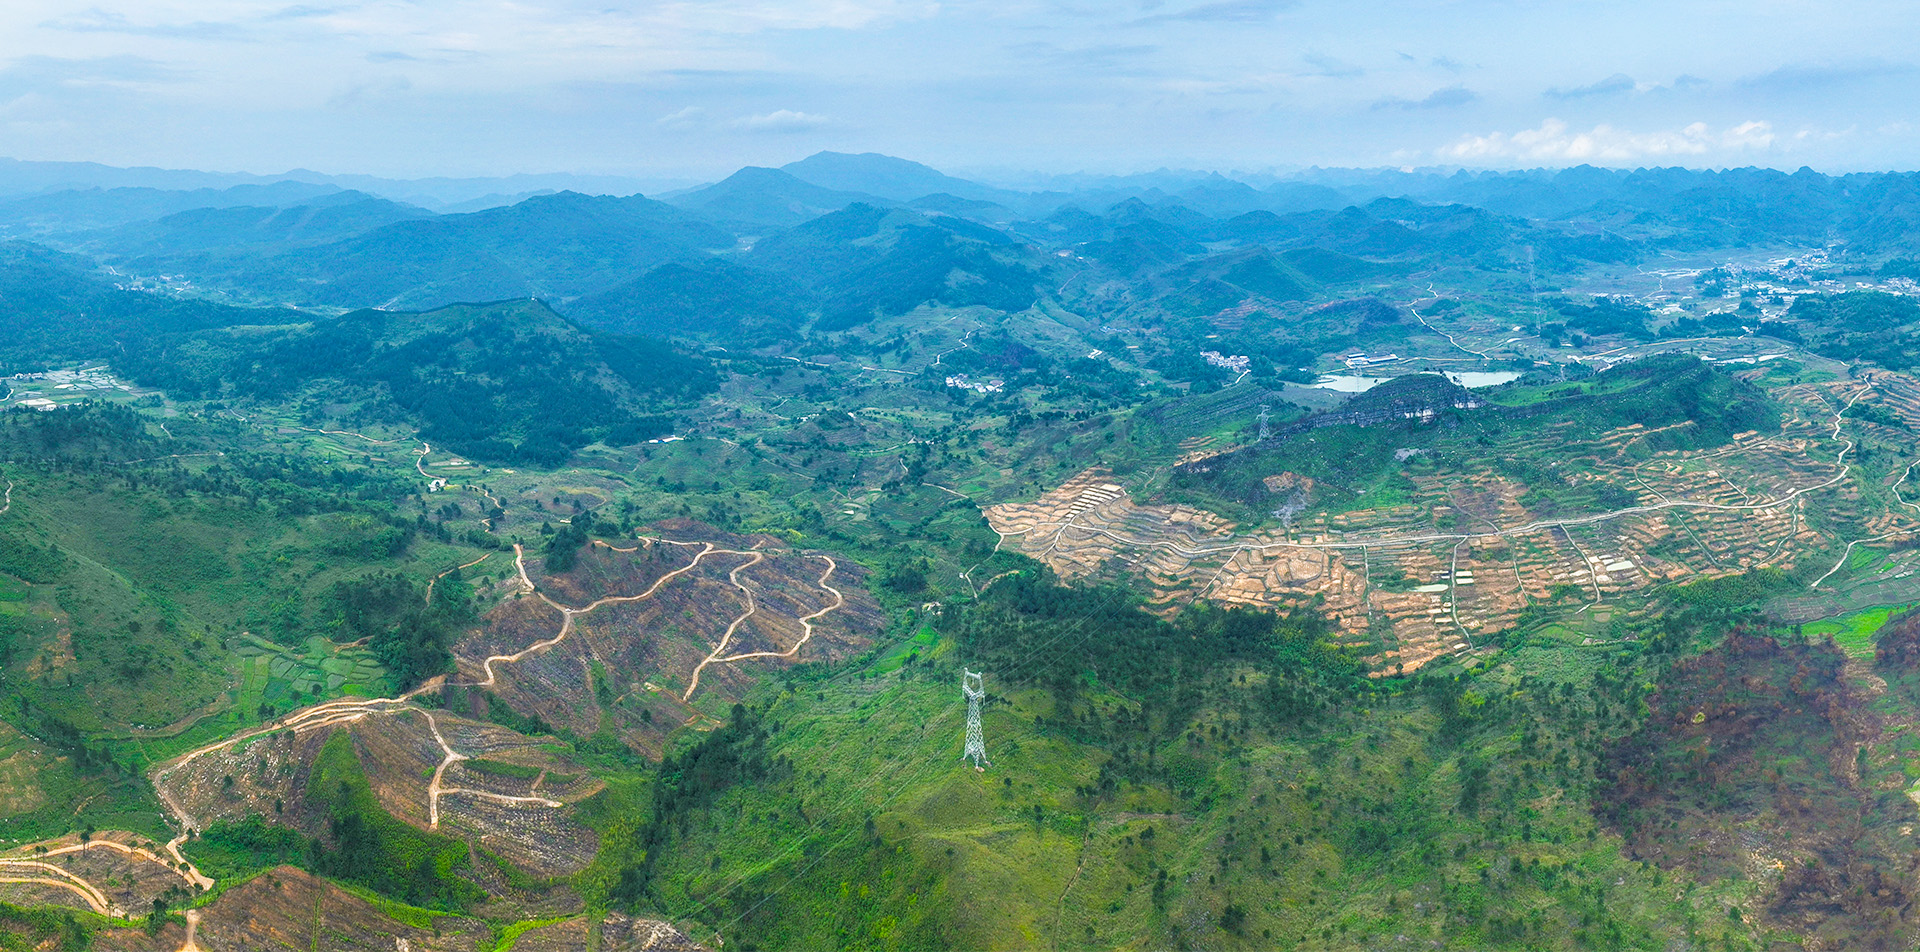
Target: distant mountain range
(21, 178)
(835, 240)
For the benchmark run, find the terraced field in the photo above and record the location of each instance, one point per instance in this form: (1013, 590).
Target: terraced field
(272, 673)
(1411, 583)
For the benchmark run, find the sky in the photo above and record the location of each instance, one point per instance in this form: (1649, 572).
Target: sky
(693, 89)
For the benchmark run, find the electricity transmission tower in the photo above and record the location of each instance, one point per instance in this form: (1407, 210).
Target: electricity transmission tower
(1264, 431)
(975, 689)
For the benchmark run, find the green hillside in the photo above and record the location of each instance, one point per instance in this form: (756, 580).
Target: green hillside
(59, 307)
(717, 301)
(1239, 787)
(1370, 561)
(866, 261)
(511, 381)
(550, 246)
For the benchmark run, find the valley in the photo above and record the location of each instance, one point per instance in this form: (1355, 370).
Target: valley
(502, 626)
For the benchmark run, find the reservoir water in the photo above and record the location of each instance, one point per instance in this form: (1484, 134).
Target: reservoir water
(1475, 379)
(1471, 379)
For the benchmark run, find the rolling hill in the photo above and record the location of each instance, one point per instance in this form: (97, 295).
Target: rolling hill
(757, 198)
(559, 246)
(900, 180)
(509, 382)
(865, 260)
(56, 306)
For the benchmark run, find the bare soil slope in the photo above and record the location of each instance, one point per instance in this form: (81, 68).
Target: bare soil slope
(1757, 760)
(639, 639)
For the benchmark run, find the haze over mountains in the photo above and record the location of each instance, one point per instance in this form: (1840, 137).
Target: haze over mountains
(836, 242)
(847, 236)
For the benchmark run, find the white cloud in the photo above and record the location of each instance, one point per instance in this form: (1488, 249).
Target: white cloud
(506, 85)
(750, 16)
(682, 118)
(1613, 85)
(1553, 141)
(782, 120)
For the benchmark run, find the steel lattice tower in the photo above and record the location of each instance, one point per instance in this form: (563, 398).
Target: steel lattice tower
(1264, 431)
(974, 689)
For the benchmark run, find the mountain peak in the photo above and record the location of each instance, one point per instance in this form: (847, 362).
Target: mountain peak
(763, 196)
(901, 180)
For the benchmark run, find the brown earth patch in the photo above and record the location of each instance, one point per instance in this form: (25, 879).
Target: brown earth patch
(616, 933)
(289, 908)
(627, 666)
(120, 871)
(617, 569)
(1287, 482)
(1755, 760)
(1483, 546)
(498, 808)
(1898, 650)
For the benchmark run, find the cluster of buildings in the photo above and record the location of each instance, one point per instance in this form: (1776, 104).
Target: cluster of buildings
(91, 378)
(963, 382)
(1238, 363)
(1782, 279)
(1360, 360)
(76, 381)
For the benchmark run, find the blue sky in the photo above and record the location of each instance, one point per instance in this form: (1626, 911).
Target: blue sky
(690, 89)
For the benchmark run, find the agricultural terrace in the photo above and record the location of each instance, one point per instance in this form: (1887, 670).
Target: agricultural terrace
(1464, 552)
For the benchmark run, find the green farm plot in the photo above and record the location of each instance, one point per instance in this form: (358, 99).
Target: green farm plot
(1861, 557)
(1855, 633)
(255, 674)
(271, 673)
(924, 644)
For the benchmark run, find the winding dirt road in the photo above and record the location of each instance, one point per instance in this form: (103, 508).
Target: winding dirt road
(436, 579)
(727, 637)
(72, 883)
(1847, 553)
(437, 788)
(308, 429)
(1434, 296)
(193, 928)
(719, 652)
(806, 630)
(62, 878)
(348, 710)
(566, 625)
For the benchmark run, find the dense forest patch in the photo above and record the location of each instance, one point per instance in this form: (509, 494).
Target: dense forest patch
(1425, 422)
(1862, 325)
(510, 382)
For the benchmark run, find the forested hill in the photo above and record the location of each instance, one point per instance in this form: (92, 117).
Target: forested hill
(511, 382)
(551, 246)
(865, 261)
(504, 382)
(55, 307)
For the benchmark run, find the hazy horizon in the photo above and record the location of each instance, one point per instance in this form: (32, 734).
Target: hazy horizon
(531, 181)
(688, 92)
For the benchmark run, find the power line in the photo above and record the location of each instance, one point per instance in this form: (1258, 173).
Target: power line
(900, 788)
(973, 685)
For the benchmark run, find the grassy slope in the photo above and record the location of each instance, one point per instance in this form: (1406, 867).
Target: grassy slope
(1345, 835)
(149, 628)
